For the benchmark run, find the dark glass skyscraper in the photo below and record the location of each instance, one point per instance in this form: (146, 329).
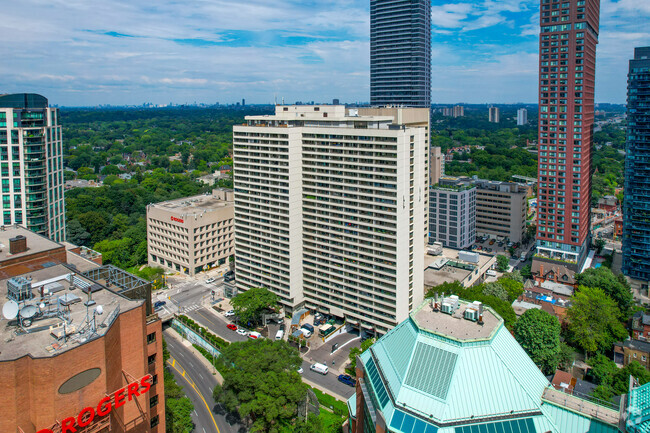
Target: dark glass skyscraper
(567, 64)
(636, 211)
(400, 52)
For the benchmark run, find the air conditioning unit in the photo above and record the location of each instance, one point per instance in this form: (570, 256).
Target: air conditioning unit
(447, 308)
(471, 314)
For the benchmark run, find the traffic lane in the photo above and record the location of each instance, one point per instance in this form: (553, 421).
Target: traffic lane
(329, 382)
(205, 382)
(345, 342)
(215, 325)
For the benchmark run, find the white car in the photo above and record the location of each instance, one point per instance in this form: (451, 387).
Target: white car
(254, 335)
(229, 313)
(300, 370)
(242, 332)
(210, 280)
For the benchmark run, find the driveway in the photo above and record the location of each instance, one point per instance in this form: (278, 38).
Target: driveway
(339, 357)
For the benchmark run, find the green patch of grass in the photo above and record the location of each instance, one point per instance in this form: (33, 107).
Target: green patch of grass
(337, 406)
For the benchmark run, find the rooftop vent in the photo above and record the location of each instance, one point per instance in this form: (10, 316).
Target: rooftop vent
(18, 244)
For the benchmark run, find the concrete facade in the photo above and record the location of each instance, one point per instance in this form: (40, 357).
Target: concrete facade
(452, 213)
(436, 168)
(501, 209)
(494, 115)
(329, 207)
(191, 234)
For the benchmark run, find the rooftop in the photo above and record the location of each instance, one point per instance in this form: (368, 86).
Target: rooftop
(35, 242)
(196, 204)
(455, 326)
(56, 320)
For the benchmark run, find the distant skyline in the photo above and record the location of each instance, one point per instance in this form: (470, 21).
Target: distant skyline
(84, 52)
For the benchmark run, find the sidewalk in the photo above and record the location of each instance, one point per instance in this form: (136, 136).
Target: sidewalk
(326, 391)
(170, 332)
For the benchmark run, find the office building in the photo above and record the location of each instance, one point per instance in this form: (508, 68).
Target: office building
(436, 168)
(31, 170)
(459, 111)
(567, 61)
(192, 234)
(522, 117)
(493, 114)
(501, 209)
(329, 207)
(636, 212)
(453, 367)
(75, 339)
(452, 212)
(400, 53)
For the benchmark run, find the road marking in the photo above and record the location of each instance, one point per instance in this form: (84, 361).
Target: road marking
(196, 414)
(190, 364)
(206, 318)
(197, 392)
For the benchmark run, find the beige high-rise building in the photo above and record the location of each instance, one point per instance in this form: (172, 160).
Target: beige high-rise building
(436, 165)
(191, 234)
(329, 209)
(494, 114)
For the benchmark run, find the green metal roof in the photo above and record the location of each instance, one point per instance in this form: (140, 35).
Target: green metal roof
(426, 382)
(639, 409)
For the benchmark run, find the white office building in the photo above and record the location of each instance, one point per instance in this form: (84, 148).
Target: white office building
(329, 209)
(522, 117)
(31, 165)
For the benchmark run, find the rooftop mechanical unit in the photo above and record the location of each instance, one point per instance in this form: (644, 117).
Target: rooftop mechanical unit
(19, 289)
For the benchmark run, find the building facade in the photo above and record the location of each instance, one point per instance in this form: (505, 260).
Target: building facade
(636, 213)
(453, 367)
(522, 117)
(329, 207)
(501, 209)
(77, 341)
(400, 53)
(452, 213)
(567, 62)
(192, 234)
(436, 170)
(31, 165)
(493, 115)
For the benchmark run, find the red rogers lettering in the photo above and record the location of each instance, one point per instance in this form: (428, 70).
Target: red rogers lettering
(87, 415)
(178, 220)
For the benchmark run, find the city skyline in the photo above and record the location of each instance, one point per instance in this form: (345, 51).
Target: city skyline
(121, 54)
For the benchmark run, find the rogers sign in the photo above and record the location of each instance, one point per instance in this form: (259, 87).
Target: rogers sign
(178, 220)
(87, 415)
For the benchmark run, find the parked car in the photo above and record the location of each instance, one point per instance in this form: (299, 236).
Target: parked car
(210, 280)
(346, 379)
(231, 326)
(319, 368)
(159, 304)
(308, 327)
(306, 332)
(254, 335)
(279, 334)
(242, 332)
(300, 370)
(230, 313)
(491, 273)
(492, 241)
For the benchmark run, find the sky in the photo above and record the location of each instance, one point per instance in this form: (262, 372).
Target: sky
(127, 52)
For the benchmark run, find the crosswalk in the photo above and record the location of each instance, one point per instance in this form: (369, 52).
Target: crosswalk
(188, 308)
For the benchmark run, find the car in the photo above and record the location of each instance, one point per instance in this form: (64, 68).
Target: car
(242, 332)
(490, 273)
(231, 326)
(300, 370)
(346, 379)
(306, 332)
(159, 304)
(319, 368)
(210, 280)
(254, 335)
(308, 327)
(282, 326)
(229, 278)
(230, 313)
(492, 241)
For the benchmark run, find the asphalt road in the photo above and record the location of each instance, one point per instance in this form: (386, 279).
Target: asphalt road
(218, 326)
(198, 382)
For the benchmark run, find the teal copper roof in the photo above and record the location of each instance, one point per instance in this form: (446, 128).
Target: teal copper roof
(438, 373)
(639, 409)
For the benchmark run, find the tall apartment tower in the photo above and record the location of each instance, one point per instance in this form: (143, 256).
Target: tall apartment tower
(567, 63)
(493, 115)
(31, 165)
(636, 212)
(400, 53)
(522, 117)
(329, 210)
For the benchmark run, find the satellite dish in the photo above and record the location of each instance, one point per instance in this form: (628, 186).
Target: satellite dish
(99, 310)
(28, 312)
(10, 310)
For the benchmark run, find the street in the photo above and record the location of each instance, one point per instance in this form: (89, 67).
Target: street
(198, 382)
(184, 295)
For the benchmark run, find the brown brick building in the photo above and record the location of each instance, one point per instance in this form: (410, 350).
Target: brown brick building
(64, 363)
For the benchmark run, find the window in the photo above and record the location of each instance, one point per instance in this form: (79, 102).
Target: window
(154, 421)
(151, 359)
(153, 401)
(151, 338)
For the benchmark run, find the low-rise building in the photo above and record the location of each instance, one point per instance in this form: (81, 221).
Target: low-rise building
(641, 326)
(632, 350)
(467, 268)
(453, 367)
(191, 234)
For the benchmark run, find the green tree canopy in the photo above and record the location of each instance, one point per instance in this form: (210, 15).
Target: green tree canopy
(356, 351)
(261, 382)
(502, 263)
(614, 286)
(250, 305)
(594, 320)
(612, 380)
(539, 334)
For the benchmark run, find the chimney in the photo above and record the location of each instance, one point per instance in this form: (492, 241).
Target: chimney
(480, 313)
(18, 244)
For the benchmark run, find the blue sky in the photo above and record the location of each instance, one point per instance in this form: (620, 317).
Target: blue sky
(87, 52)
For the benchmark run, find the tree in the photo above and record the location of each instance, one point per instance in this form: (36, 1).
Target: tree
(513, 287)
(77, 234)
(612, 380)
(495, 289)
(250, 305)
(526, 271)
(599, 244)
(356, 351)
(539, 334)
(502, 263)
(261, 382)
(566, 357)
(594, 320)
(614, 286)
(110, 169)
